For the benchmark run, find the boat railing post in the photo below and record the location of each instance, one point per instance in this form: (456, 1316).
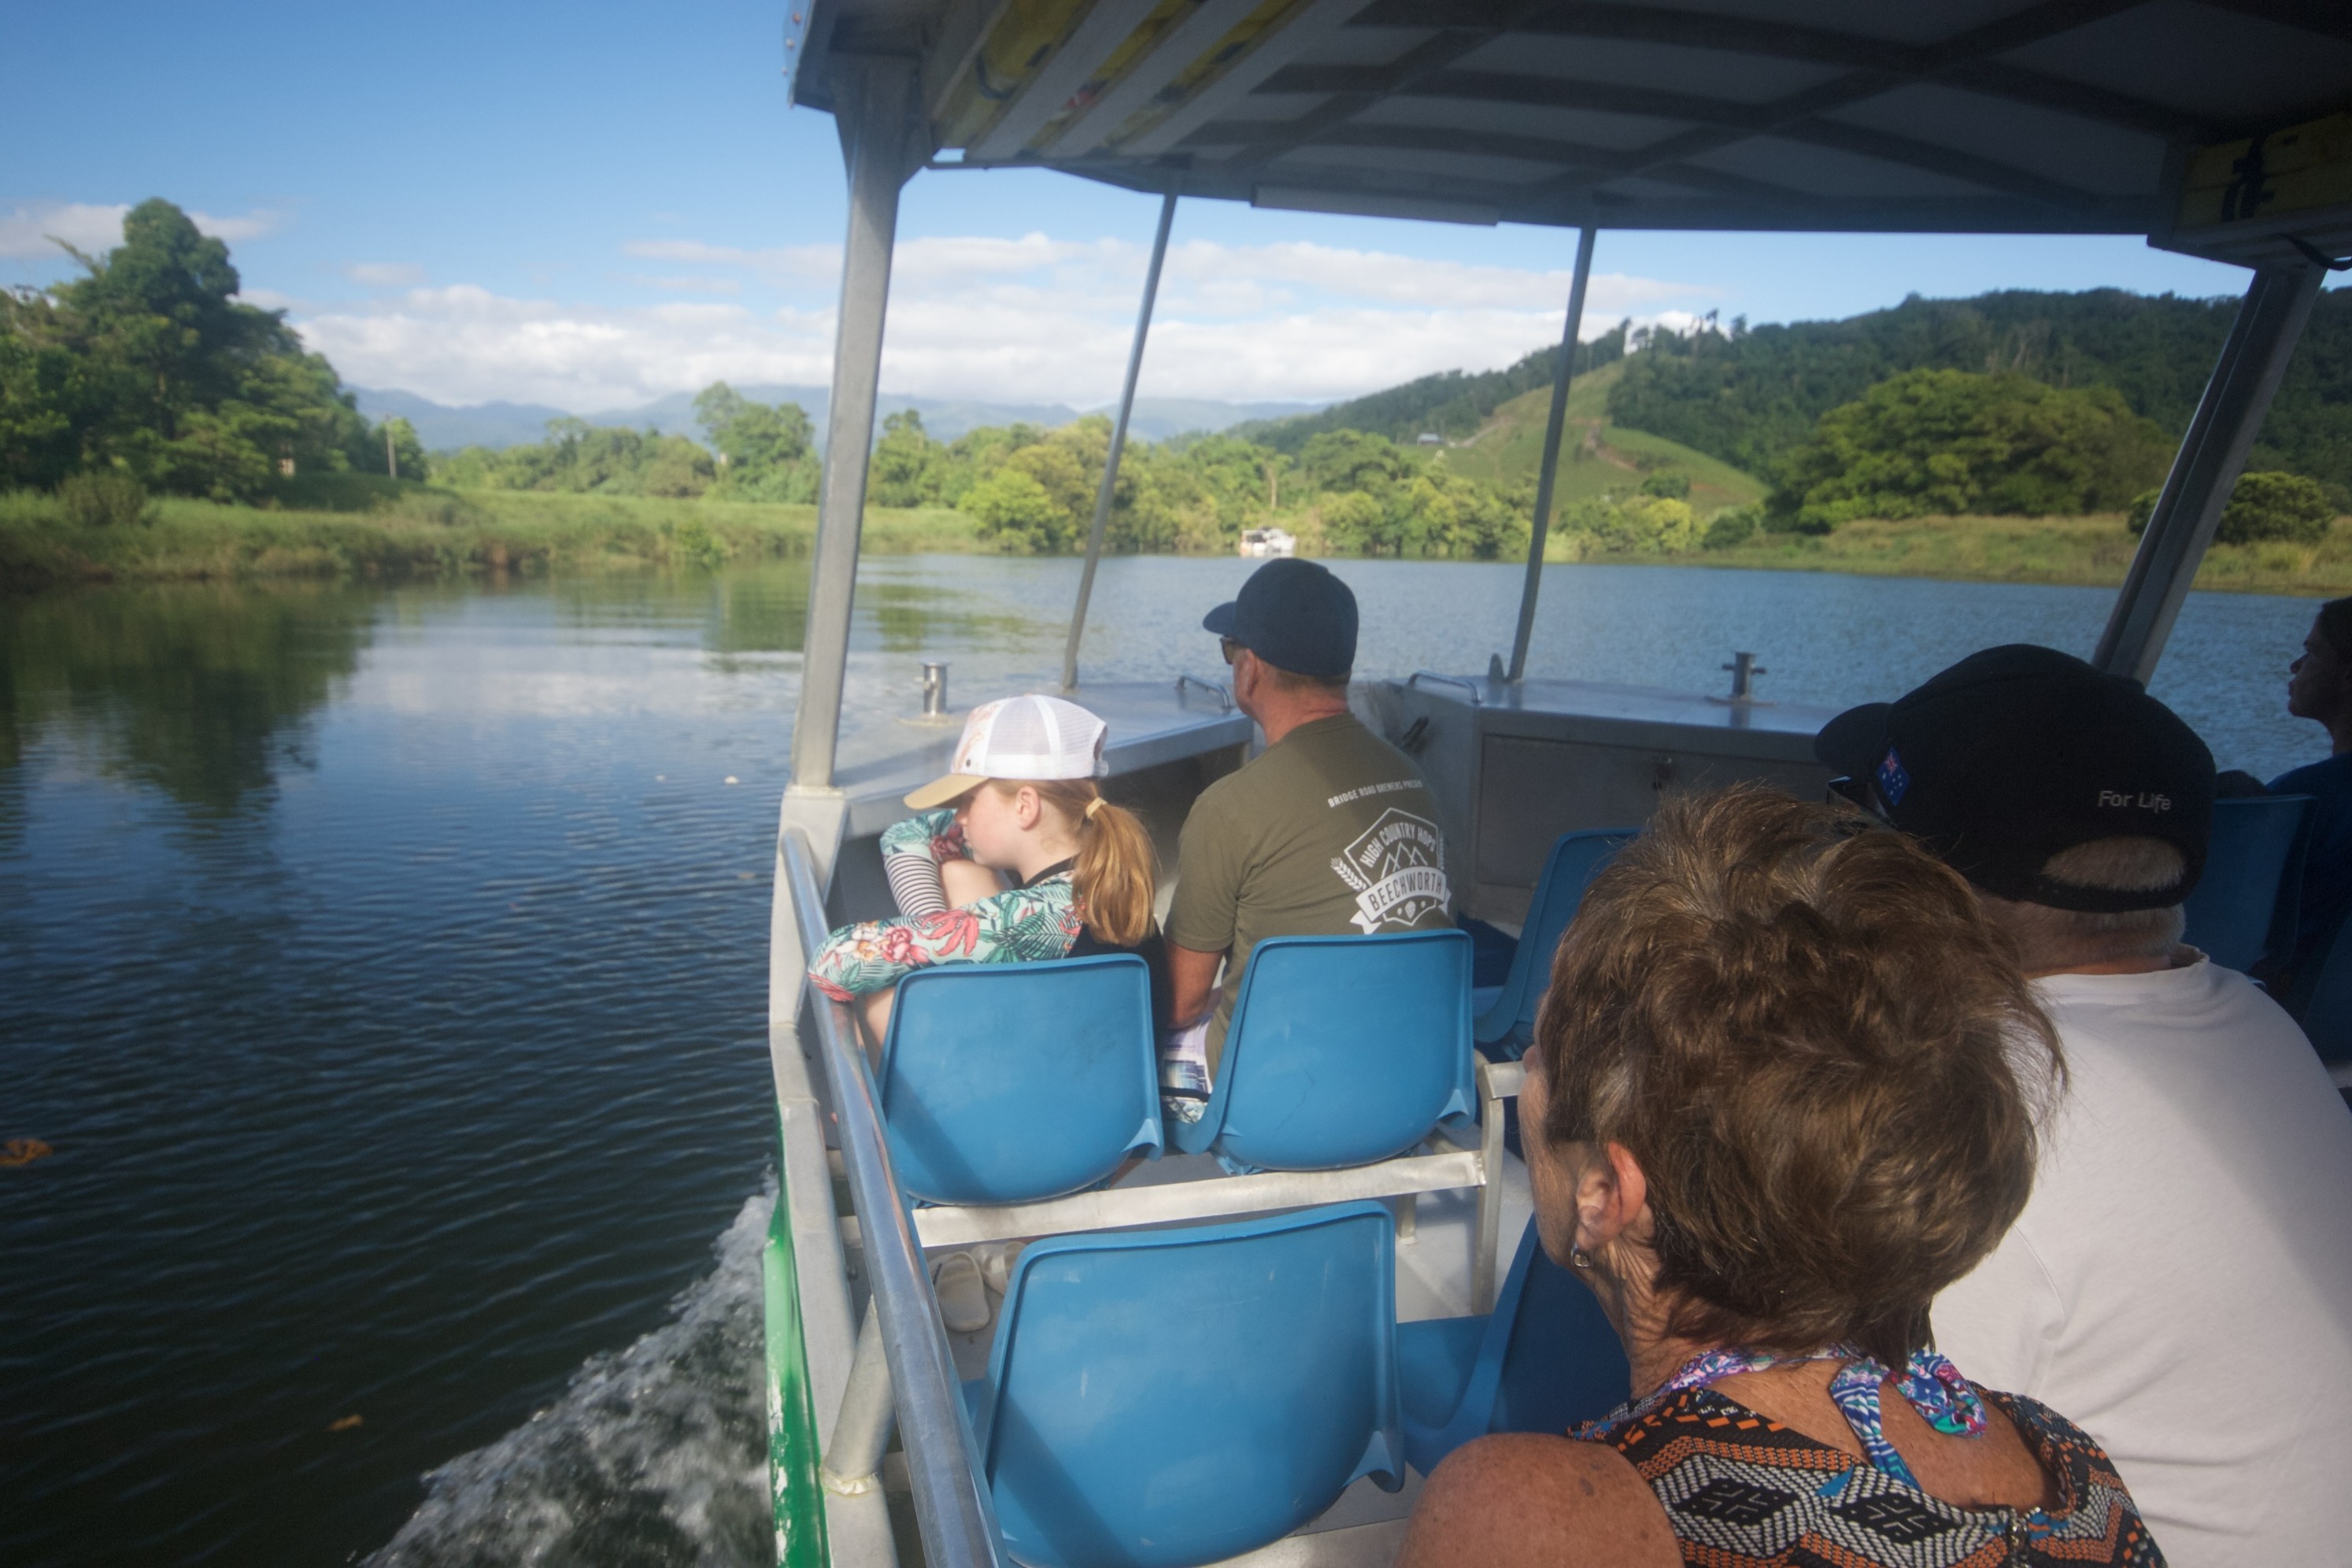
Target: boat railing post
(952, 1504)
(861, 1432)
(1118, 443)
(883, 140)
(1540, 528)
(2188, 509)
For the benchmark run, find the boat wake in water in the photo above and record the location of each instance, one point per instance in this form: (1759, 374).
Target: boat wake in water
(653, 1455)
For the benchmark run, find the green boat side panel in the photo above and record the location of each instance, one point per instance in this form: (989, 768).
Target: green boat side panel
(792, 1486)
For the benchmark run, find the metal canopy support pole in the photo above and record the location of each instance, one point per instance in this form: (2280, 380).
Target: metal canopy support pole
(1552, 428)
(1118, 444)
(2188, 509)
(874, 113)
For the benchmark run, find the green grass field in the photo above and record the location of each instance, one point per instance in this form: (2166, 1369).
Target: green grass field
(2092, 550)
(1595, 455)
(419, 531)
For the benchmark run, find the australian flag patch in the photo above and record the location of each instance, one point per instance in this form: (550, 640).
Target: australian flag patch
(1894, 782)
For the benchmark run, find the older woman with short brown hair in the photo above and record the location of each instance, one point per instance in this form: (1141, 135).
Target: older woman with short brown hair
(1783, 1090)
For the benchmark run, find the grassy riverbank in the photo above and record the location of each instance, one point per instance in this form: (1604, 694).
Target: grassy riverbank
(377, 528)
(416, 531)
(2093, 550)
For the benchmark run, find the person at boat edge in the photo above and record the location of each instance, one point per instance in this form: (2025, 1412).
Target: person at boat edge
(2180, 1281)
(1021, 800)
(1784, 1088)
(1330, 831)
(2319, 688)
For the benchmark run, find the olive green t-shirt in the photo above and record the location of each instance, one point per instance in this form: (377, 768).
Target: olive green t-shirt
(1330, 832)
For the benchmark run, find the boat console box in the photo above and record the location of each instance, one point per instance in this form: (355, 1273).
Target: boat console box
(1515, 765)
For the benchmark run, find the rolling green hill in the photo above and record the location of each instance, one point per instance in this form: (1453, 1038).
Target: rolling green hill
(1454, 403)
(1749, 398)
(1596, 455)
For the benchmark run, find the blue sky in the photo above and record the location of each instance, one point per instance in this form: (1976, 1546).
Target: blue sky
(591, 206)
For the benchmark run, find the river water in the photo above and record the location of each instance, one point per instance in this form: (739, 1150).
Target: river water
(385, 967)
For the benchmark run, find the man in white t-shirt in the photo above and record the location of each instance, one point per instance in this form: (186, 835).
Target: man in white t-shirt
(2180, 1283)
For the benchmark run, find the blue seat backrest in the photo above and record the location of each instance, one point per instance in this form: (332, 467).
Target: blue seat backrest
(1543, 1361)
(1575, 859)
(1171, 1397)
(1005, 1083)
(2327, 1014)
(1343, 1050)
(1563, 1362)
(2244, 906)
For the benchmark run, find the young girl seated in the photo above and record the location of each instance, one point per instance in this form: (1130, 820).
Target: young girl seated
(1020, 802)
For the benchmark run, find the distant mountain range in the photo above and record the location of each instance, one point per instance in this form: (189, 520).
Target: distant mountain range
(498, 425)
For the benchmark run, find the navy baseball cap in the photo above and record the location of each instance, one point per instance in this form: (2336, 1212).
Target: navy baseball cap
(2019, 753)
(1295, 615)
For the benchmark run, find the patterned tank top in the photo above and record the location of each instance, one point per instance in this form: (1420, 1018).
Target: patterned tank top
(1744, 1491)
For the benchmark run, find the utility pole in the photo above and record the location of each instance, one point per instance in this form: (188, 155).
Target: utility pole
(391, 457)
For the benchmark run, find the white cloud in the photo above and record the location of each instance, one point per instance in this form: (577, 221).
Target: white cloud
(1031, 319)
(687, 285)
(252, 225)
(27, 233)
(817, 262)
(386, 274)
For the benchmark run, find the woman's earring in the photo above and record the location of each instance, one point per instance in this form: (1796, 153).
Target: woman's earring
(1580, 1257)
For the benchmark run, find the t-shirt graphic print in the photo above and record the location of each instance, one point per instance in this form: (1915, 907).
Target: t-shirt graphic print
(1330, 832)
(1397, 870)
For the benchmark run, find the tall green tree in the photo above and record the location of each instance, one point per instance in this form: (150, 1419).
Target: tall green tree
(1944, 441)
(149, 364)
(765, 450)
(905, 463)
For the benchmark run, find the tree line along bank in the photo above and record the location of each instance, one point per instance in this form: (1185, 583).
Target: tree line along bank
(147, 376)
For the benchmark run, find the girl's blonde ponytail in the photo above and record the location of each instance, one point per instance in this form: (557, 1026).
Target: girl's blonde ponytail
(1116, 874)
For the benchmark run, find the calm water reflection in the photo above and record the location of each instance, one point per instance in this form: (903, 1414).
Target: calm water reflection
(386, 967)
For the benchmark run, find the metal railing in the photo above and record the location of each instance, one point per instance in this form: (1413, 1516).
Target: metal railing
(1477, 699)
(952, 1505)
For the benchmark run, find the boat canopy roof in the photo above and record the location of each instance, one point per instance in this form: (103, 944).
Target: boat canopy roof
(2213, 126)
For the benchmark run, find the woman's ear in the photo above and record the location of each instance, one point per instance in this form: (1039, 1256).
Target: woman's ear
(1027, 807)
(1611, 1194)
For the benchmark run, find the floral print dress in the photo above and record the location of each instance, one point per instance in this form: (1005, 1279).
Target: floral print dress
(1038, 920)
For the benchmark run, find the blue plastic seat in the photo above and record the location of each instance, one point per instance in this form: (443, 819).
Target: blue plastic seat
(1164, 1398)
(1544, 1359)
(1007, 1083)
(1507, 1023)
(1343, 1050)
(2244, 909)
(2327, 1014)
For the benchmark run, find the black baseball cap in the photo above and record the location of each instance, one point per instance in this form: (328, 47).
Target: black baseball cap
(1295, 615)
(2018, 753)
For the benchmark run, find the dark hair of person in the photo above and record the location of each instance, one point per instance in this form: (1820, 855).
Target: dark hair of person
(2336, 625)
(1821, 1052)
(1114, 879)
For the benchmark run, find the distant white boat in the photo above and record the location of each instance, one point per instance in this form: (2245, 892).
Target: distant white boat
(1259, 542)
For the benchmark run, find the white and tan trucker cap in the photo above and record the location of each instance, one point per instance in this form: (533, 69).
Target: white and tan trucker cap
(1029, 737)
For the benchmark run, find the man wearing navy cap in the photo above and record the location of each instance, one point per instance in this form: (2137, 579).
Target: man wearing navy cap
(1330, 832)
(2180, 1281)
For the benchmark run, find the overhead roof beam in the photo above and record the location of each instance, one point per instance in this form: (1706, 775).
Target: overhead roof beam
(1453, 39)
(1790, 115)
(1610, 98)
(1498, 87)
(1091, 43)
(1882, 65)
(1605, 163)
(2329, 18)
